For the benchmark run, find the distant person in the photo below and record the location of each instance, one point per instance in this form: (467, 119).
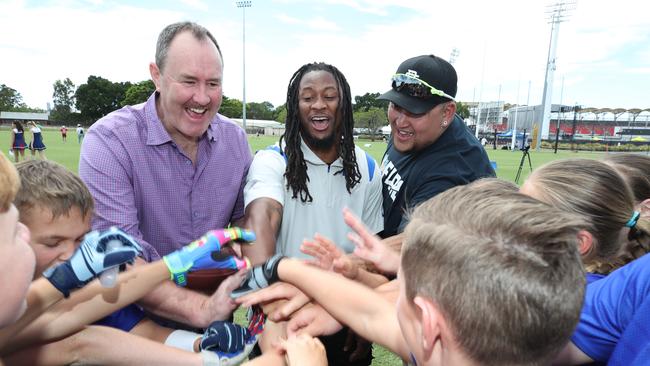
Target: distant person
(484, 141)
(18, 144)
(170, 169)
(80, 133)
(37, 146)
(431, 149)
(64, 133)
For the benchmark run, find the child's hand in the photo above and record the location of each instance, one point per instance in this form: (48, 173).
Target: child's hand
(369, 246)
(304, 350)
(91, 259)
(313, 320)
(329, 257)
(277, 291)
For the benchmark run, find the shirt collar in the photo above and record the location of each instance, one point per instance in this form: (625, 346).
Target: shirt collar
(312, 158)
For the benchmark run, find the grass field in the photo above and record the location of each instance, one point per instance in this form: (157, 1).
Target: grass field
(507, 162)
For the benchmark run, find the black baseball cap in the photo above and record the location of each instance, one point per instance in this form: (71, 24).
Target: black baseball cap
(434, 71)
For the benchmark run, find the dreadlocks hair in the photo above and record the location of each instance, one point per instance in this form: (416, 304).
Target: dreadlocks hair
(296, 171)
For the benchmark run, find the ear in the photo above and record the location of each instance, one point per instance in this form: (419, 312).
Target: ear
(431, 323)
(585, 242)
(644, 208)
(450, 110)
(154, 71)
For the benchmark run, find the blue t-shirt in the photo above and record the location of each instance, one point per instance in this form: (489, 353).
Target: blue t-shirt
(614, 313)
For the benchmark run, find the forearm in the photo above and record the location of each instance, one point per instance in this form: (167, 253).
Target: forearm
(90, 304)
(349, 302)
(177, 304)
(98, 345)
(370, 279)
(263, 216)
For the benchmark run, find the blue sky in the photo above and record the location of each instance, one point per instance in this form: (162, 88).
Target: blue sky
(603, 54)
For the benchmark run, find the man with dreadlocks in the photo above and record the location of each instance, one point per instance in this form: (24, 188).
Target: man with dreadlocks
(300, 186)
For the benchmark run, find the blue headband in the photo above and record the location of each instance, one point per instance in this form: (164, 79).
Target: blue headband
(634, 219)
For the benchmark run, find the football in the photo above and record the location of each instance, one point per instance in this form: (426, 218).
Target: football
(208, 280)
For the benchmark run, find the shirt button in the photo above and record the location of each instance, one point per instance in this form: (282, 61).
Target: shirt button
(196, 214)
(189, 162)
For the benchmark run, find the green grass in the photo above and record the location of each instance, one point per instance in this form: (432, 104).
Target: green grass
(67, 154)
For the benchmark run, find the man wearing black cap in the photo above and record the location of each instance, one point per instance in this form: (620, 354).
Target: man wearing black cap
(431, 149)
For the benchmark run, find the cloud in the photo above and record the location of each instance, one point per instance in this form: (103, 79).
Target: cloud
(317, 23)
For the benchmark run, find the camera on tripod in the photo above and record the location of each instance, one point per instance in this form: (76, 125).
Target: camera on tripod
(525, 148)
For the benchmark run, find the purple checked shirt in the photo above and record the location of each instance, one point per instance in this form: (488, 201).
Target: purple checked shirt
(145, 185)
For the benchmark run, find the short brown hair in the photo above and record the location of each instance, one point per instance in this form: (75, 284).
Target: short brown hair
(9, 183)
(168, 34)
(503, 268)
(47, 184)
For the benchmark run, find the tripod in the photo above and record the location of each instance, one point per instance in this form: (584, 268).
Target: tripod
(525, 155)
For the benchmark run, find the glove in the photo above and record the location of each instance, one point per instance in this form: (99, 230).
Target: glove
(225, 343)
(91, 259)
(203, 253)
(259, 277)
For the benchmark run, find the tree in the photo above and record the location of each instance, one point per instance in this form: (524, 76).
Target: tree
(10, 99)
(281, 113)
(364, 102)
(64, 101)
(264, 110)
(231, 108)
(63, 95)
(99, 96)
(138, 93)
(462, 110)
(372, 119)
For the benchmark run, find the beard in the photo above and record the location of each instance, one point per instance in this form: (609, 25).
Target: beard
(323, 144)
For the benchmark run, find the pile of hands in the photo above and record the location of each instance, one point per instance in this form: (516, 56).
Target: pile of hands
(284, 302)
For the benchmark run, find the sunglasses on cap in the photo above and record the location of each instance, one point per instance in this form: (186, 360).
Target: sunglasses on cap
(416, 88)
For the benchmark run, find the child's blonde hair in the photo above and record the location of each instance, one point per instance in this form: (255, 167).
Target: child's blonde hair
(46, 184)
(9, 183)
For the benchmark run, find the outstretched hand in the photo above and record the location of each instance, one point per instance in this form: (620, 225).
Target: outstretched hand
(369, 246)
(91, 259)
(329, 257)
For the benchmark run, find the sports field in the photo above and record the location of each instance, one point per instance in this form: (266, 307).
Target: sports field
(507, 163)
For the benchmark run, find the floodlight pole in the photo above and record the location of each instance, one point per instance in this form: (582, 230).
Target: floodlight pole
(243, 5)
(557, 17)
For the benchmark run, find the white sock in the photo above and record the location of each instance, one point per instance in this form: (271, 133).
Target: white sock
(182, 339)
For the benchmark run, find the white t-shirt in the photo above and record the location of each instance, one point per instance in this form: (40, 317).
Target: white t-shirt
(301, 220)
(80, 130)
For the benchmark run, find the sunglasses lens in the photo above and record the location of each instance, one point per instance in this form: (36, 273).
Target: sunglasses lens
(412, 89)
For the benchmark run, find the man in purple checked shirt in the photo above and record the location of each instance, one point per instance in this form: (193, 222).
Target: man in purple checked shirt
(170, 169)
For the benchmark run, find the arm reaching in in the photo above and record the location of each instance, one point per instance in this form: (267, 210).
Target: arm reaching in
(329, 257)
(94, 302)
(369, 246)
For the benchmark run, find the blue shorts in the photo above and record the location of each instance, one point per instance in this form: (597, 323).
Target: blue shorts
(124, 319)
